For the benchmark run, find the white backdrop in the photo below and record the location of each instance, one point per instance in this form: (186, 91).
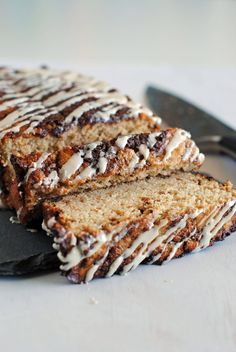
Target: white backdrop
(176, 32)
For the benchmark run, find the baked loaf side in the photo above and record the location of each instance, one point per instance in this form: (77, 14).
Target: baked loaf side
(104, 232)
(43, 110)
(98, 165)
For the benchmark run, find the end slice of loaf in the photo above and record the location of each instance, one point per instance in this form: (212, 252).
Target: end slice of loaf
(98, 165)
(111, 231)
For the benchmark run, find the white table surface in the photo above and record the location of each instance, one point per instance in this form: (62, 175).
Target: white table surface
(182, 32)
(186, 305)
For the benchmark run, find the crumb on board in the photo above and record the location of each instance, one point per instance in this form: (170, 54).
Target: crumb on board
(93, 300)
(32, 230)
(14, 220)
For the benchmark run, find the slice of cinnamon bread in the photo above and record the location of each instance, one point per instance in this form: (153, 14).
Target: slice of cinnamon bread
(41, 176)
(103, 232)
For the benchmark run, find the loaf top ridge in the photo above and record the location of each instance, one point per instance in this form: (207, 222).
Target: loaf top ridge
(49, 101)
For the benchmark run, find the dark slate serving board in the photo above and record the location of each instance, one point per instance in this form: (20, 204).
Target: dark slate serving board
(22, 251)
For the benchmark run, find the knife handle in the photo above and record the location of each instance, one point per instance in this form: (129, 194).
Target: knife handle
(217, 144)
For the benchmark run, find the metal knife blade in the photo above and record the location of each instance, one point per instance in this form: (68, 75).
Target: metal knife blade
(179, 113)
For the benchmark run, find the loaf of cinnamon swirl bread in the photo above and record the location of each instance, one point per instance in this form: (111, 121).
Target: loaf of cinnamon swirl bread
(44, 110)
(114, 191)
(41, 176)
(103, 232)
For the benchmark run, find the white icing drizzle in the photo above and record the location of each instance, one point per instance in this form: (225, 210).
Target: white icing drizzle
(36, 165)
(152, 138)
(17, 119)
(179, 137)
(164, 239)
(51, 180)
(109, 110)
(216, 221)
(194, 213)
(76, 160)
(75, 95)
(188, 152)
(177, 245)
(64, 89)
(55, 245)
(156, 119)
(79, 98)
(102, 165)
(51, 222)
(88, 172)
(72, 259)
(201, 158)
(134, 161)
(78, 255)
(92, 271)
(122, 141)
(90, 247)
(143, 149)
(71, 166)
(195, 154)
(47, 226)
(114, 266)
(192, 154)
(145, 238)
